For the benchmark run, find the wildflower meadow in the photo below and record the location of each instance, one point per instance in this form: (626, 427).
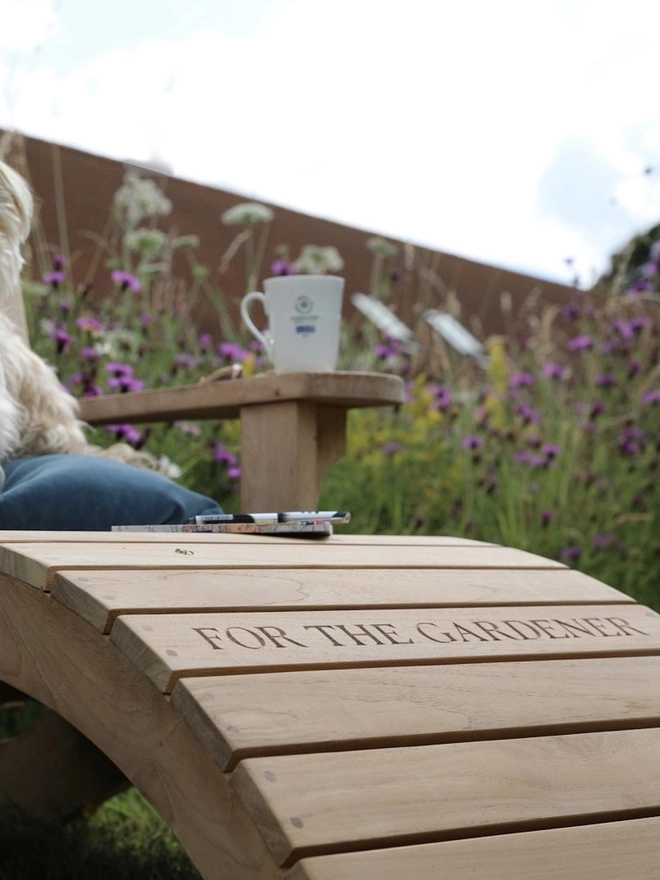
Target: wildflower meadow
(551, 445)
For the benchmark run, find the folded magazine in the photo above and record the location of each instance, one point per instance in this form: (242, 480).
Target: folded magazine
(285, 529)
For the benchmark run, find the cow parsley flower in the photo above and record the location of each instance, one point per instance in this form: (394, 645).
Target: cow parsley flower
(247, 214)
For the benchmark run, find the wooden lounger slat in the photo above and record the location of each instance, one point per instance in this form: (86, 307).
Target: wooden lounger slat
(29, 537)
(608, 851)
(101, 596)
(294, 712)
(36, 563)
(167, 647)
(333, 802)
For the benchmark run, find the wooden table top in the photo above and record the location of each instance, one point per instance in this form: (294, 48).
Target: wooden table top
(223, 400)
(389, 707)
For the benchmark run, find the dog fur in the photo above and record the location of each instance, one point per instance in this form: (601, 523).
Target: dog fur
(37, 415)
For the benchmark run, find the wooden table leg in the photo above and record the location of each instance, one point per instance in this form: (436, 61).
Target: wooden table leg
(53, 771)
(285, 450)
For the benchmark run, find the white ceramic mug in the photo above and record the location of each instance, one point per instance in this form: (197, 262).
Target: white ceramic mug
(304, 318)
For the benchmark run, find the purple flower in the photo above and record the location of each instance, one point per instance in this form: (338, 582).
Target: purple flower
(634, 369)
(391, 447)
(529, 415)
(91, 325)
(126, 383)
(571, 311)
(128, 433)
(640, 285)
(281, 267)
(639, 322)
(551, 451)
(388, 350)
(555, 371)
(185, 360)
(146, 319)
(396, 275)
(651, 397)
(118, 369)
(602, 540)
(581, 343)
(205, 341)
(222, 455)
(472, 441)
(232, 352)
(546, 517)
(605, 380)
(607, 346)
(58, 262)
(572, 553)
(234, 472)
(648, 270)
(90, 353)
(126, 281)
(442, 395)
(62, 340)
(521, 380)
(54, 278)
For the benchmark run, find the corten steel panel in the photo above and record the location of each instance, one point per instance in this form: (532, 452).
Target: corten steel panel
(89, 182)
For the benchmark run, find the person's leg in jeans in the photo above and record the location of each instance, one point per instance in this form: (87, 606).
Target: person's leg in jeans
(90, 493)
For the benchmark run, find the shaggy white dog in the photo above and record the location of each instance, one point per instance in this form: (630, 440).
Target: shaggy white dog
(37, 415)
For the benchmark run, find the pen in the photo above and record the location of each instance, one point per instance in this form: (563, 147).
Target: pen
(333, 516)
(266, 518)
(289, 516)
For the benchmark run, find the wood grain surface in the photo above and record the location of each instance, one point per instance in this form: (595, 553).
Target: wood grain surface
(611, 851)
(167, 647)
(224, 400)
(339, 709)
(310, 804)
(36, 563)
(101, 596)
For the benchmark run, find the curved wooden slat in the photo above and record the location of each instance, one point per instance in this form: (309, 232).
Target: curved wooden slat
(48, 652)
(611, 851)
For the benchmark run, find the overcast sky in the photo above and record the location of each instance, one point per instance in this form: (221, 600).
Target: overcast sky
(513, 132)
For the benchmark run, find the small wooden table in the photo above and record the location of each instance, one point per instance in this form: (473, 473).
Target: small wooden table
(362, 708)
(293, 426)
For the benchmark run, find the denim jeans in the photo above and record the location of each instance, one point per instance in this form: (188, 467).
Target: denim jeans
(91, 493)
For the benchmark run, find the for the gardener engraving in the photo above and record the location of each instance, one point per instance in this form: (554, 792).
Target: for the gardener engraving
(340, 635)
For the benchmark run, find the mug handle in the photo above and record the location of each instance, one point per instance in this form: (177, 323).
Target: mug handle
(245, 314)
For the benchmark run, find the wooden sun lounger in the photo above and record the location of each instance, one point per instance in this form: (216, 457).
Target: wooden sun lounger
(361, 708)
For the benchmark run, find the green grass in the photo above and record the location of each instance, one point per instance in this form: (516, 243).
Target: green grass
(124, 840)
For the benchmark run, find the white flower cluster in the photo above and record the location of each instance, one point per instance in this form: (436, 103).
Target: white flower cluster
(247, 214)
(186, 242)
(380, 247)
(138, 198)
(168, 468)
(315, 260)
(146, 241)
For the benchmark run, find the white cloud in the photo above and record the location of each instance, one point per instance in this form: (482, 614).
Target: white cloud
(25, 24)
(435, 122)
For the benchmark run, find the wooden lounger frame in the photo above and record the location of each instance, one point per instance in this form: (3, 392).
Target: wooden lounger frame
(361, 707)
